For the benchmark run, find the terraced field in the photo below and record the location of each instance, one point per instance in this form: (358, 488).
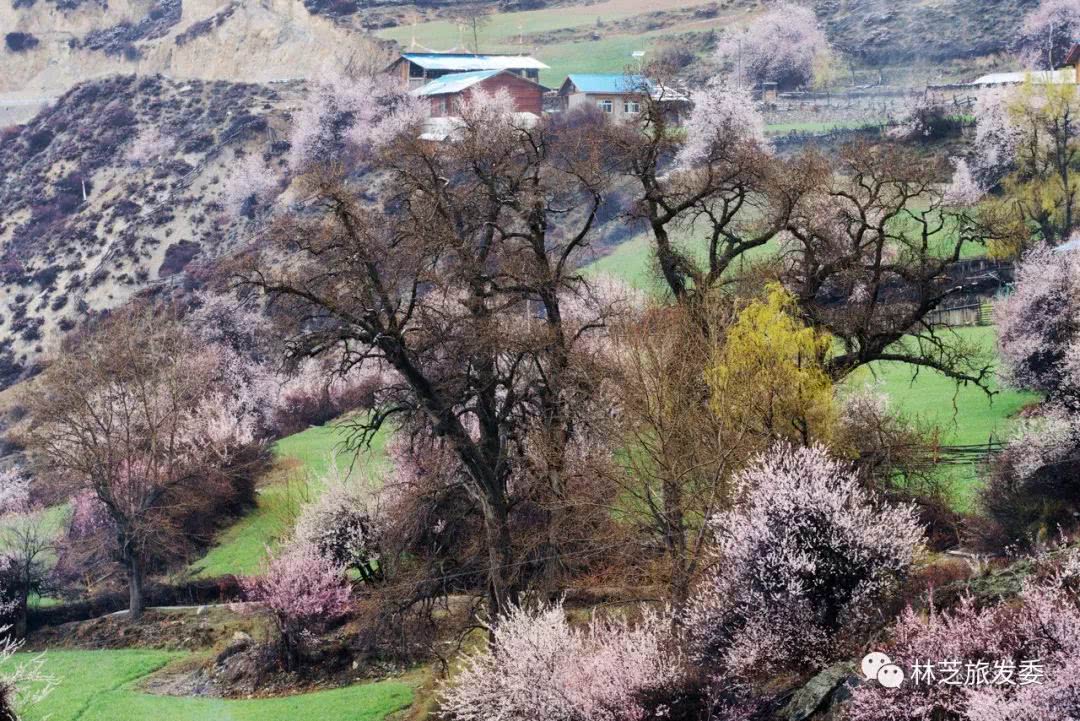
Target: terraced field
(104, 686)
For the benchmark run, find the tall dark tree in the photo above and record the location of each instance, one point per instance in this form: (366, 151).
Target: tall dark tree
(461, 276)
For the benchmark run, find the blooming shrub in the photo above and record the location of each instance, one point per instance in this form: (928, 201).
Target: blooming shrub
(339, 525)
(304, 591)
(539, 668)
(1043, 627)
(1037, 325)
(22, 683)
(805, 557)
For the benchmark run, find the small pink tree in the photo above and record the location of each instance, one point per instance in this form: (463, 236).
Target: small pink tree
(1044, 626)
(723, 116)
(250, 186)
(540, 668)
(304, 591)
(964, 190)
(340, 525)
(803, 559)
(348, 116)
(784, 45)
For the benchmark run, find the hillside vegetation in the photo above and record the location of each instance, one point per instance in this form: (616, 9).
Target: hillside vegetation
(85, 225)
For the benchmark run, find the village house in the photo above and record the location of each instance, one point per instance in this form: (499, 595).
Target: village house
(447, 92)
(618, 95)
(415, 70)
(1068, 72)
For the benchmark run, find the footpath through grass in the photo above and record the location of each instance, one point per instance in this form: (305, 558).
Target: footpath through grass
(102, 686)
(301, 461)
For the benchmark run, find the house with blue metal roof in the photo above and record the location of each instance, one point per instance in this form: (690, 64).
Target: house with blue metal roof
(618, 95)
(417, 69)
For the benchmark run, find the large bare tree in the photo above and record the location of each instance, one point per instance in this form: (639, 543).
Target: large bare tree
(458, 270)
(872, 249)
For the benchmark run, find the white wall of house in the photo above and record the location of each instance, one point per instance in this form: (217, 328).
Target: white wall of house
(620, 106)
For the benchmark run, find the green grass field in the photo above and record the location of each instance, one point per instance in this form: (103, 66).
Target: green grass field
(965, 415)
(818, 127)
(610, 53)
(302, 460)
(102, 686)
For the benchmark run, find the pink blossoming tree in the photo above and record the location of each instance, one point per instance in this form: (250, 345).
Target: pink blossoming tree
(784, 45)
(1048, 33)
(304, 591)
(345, 117)
(804, 558)
(990, 647)
(539, 668)
(1037, 323)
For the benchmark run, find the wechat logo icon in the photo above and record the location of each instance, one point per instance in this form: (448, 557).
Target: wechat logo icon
(877, 666)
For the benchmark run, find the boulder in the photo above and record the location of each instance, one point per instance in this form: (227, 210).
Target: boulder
(820, 692)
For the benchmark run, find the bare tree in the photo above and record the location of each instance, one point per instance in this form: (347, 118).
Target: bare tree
(714, 182)
(472, 17)
(874, 249)
(877, 221)
(684, 453)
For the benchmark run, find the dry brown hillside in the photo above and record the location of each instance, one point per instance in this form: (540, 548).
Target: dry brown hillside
(83, 226)
(252, 40)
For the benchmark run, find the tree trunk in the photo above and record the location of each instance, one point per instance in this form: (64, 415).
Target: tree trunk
(135, 587)
(502, 590)
(675, 540)
(21, 612)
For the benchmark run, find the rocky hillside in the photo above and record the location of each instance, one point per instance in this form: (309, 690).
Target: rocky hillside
(115, 188)
(50, 45)
(887, 32)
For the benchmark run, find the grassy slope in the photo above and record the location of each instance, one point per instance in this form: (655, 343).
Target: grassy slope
(108, 693)
(302, 459)
(965, 414)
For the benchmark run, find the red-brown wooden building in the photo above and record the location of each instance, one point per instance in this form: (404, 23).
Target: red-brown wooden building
(446, 93)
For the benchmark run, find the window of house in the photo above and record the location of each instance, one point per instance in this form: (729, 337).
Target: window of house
(605, 106)
(631, 106)
(532, 73)
(415, 71)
